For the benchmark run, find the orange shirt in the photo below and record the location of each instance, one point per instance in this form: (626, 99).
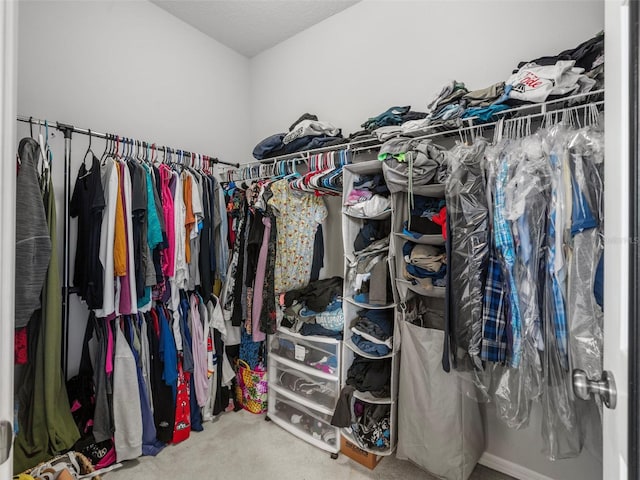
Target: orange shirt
(120, 237)
(190, 219)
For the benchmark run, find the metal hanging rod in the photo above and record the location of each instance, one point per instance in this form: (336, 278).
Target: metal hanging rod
(70, 128)
(277, 160)
(302, 154)
(256, 170)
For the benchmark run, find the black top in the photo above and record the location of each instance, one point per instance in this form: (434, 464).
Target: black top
(87, 204)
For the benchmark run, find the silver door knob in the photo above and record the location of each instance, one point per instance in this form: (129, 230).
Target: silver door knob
(584, 387)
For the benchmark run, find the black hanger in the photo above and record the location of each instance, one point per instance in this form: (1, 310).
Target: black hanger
(84, 160)
(31, 126)
(109, 151)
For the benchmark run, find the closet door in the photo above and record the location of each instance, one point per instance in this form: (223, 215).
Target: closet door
(619, 288)
(8, 30)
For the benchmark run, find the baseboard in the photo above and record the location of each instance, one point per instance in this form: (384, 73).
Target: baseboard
(510, 468)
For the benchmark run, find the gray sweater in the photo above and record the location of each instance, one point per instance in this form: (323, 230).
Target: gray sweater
(33, 244)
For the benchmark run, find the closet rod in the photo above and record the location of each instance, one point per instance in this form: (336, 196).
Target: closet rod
(68, 130)
(62, 127)
(304, 154)
(480, 126)
(294, 160)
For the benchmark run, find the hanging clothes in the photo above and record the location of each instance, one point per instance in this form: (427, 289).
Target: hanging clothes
(87, 204)
(539, 317)
(469, 254)
(109, 178)
(298, 216)
(126, 400)
(33, 244)
(46, 426)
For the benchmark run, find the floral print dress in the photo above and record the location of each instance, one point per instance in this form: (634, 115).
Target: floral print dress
(297, 215)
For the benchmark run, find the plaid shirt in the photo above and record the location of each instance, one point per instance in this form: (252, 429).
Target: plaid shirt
(559, 316)
(494, 320)
(505, 246)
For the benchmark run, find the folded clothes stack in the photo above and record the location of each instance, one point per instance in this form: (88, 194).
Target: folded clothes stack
(315, 309)
(369, 197)
(370, 375)
(371, 231)
(577, 70)
(369, 274)
(373, 331)
(425, 265)
(306, 133)
(392, 116)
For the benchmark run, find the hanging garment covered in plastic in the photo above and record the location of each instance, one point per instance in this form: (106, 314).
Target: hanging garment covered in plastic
(525, 217)
(469, 254)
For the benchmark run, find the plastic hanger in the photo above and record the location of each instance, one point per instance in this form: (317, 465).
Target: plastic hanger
(107, 141)
(84, 160)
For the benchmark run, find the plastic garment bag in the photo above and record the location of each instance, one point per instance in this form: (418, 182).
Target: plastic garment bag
(561, 434)
(439, 428)
(469, 253)
(526, 198)
(585, 315)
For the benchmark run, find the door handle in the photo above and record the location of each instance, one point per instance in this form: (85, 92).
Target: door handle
(6, 439)
(584, 387)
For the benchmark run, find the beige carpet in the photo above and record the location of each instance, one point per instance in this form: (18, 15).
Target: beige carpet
(244, 446)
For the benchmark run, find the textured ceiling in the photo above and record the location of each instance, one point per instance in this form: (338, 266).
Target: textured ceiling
(252, 26)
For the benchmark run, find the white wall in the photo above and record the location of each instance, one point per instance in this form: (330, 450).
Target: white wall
(132, 69)
(378, 54)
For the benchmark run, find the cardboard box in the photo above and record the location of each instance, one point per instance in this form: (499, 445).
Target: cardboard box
(354, 452)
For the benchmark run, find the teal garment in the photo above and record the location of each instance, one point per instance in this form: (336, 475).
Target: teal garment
(146, 298)
(154, 231)
(46, 425)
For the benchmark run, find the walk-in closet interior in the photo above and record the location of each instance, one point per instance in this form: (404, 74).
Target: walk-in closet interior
(364, 239)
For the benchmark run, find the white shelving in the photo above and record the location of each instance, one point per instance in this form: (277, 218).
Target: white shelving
(369, 306)
(354, 348)
(380, 216)
(351, 226)
(424, 239)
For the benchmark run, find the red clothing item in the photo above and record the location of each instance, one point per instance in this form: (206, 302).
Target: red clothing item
(441, 219)
(21, 353)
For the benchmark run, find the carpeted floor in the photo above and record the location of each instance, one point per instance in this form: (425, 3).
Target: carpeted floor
(244, 446)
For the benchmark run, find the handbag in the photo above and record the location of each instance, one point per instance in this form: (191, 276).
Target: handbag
(182, 425)
(252, 387)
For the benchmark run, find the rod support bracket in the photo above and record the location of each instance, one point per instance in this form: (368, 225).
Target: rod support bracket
(66, 129)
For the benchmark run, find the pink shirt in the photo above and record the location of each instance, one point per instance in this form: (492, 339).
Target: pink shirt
(168, 260)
